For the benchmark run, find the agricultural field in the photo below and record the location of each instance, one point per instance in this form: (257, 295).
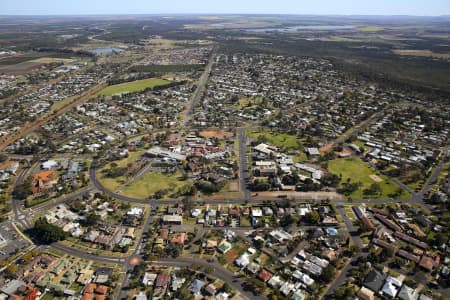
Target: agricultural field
(22, 64)
(95, 43)
(371, 28)
(49, 60)
(13, 60)
(133, 87)
(422, 53)
(20, 68)
(357, 171)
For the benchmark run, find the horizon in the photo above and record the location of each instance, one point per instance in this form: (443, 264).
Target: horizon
(220, 14)
(413, 8)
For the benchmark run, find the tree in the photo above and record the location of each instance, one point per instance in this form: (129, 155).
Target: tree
(344, 292)
(48, 233)
(174, 250)
(227, 288)
(27, 257)
(259, 244)
(330, 180)
(374, 189)
(22, 191)
(91, 219)
(327, 274)
(312, 217)
(11, 269)
(187, 190)
(355, 249)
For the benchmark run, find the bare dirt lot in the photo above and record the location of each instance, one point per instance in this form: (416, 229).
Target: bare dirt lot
(376, 178)
(216, 133)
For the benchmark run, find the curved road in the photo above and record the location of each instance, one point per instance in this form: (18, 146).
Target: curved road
(219, 272)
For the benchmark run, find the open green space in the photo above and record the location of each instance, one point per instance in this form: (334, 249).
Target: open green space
(281, 140)
(133, 87)
(250, 103)
(152, 182)
(168, 68)
(358, 171)
(113, 184)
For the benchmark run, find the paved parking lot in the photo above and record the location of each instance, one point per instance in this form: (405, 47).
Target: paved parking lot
(10, 240)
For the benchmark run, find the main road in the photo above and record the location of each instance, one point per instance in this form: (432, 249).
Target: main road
(201, 88)
(219, 271)
(243, 162)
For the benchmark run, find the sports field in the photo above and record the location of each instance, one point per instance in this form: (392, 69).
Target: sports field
(133, 87)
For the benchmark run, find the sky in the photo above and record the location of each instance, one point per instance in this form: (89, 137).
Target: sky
(302, 7)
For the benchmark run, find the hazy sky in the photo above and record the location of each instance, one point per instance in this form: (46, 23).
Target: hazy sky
(341, 7)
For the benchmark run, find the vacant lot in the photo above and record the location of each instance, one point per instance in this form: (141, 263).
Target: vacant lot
(358, 171)
(216, 133)
(281, 140)
(133, 87)
(152, 182)
(115, 183)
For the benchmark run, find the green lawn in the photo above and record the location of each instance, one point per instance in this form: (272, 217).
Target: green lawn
(132, 87)
(249, 102)
(359, 171)
(48, 296)
(152, 182)
(282, 140)
(113, 184)
(300, 157)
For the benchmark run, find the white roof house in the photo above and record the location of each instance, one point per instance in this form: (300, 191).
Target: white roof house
(391, 287)
(49, 164)
(280, 235)
(149, 278)
(243, 260)
(275, 281)
(135, 211)
(256, 212)
(407, 293)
